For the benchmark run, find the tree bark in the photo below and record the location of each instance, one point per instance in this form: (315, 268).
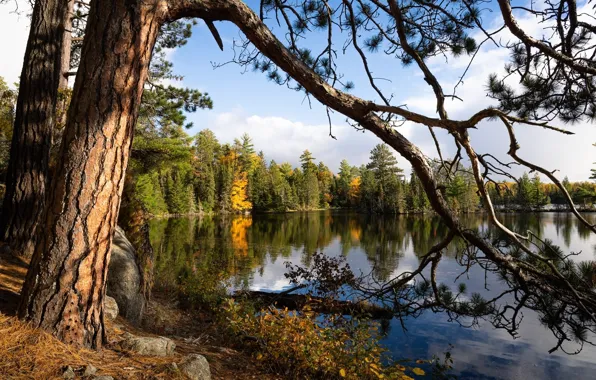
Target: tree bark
(65, 286)
(63, 100)
(34, 120)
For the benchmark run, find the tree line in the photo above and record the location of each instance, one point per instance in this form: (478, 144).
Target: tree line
(214, 177)
(530, 193)
(207, 176)
(173, 173)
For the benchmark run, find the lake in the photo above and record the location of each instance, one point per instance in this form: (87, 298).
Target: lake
(252, 252)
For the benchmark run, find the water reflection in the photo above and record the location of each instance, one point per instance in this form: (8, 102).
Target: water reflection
(251, 252)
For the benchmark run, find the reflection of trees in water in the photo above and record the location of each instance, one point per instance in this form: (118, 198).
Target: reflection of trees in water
(522, 222)
(237, 245)
(383, 243)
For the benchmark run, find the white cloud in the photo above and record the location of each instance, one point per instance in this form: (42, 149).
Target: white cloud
(14, 25)
(283, 140)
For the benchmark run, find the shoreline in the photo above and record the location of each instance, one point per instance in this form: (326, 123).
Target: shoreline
(358, 211)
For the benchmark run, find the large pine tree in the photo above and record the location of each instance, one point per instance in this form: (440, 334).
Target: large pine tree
(27, 175)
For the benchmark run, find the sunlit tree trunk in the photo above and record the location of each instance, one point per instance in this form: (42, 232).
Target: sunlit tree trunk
(65, 286)
(34, 120)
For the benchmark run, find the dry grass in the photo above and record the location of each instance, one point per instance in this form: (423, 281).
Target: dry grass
(28, 353)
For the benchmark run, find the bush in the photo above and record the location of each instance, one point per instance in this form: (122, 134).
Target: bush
(307, 345)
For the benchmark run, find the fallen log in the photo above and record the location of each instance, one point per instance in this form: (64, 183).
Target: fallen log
(317, 304)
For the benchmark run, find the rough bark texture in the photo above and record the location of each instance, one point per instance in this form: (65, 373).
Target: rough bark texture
(65, 286)
(34, 120)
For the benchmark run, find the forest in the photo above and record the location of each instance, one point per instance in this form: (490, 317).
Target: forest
(95, 136)
(176, 174)
(233, 178)
(173, 173)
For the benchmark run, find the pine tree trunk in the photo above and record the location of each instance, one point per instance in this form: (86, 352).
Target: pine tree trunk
(65, 286)
(32, 136)
(63, 102)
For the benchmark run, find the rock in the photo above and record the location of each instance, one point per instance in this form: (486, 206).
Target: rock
(124, 279)
(68, 373)
(150, 346)
(196, 367)
(110, 308)
(103, 377)
(89, 371)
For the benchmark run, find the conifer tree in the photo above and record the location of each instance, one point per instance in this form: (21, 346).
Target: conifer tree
(260, 188)
(344, 182)
(325, 178)
(247, 152)
(206, 152)
(7, 109)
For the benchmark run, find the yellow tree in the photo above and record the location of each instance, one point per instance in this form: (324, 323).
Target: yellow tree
(239, 195)
(354, 190)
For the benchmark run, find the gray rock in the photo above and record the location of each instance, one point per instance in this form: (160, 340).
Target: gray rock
(90, 371)
(196, 367)
(110, 308)
(68, 373)
(150, 346)
(124, 279)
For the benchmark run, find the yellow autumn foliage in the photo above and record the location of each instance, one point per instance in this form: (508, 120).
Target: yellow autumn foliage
(355, 231)
(239, 195)
(311, 345)
(239, 232)
(354, 191)
(229, 158)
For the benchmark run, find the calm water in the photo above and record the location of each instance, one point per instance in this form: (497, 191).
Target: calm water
(252, 251)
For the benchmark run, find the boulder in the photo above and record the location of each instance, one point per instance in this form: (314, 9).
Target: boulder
(124, 279)
(196, 367)
(147, 345)
(110, 308)
(89, 371)
(68, 373)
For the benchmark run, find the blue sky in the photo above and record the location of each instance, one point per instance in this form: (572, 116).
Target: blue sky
(283, 124)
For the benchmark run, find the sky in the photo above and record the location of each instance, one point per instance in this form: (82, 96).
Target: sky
(283, 122)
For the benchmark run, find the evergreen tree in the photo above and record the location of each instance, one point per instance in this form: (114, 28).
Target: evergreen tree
(225, 178)
(7, 109)
(307, 162)
(206, 152)
(310, 188)
(343, 183)
(283, 196)
(325, 178)
(524, 192)
(538, 198)
(261, 194)
(417, 200)
(369, 200)
(247, 153)
(383, 164)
